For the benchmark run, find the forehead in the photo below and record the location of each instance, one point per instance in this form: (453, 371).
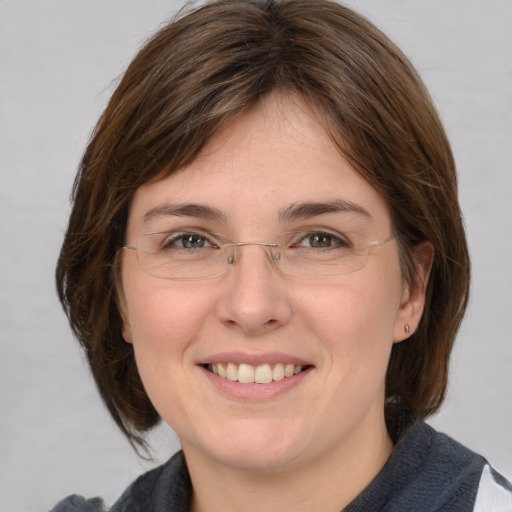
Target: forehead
(270, 158)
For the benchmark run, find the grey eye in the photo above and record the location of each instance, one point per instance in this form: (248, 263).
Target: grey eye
(322, 240)
(192, 241)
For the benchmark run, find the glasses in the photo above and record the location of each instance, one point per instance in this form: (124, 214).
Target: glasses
(190, 255)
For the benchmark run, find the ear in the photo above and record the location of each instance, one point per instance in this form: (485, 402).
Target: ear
(126, 331)
(123, 311)
(412, 302)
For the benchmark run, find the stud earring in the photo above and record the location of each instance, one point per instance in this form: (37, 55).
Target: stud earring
(406, 328)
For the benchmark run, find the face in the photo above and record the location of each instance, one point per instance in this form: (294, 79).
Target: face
(272, 171)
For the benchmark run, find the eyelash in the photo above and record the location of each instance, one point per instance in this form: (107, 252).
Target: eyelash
(170, 242)
(336, 240)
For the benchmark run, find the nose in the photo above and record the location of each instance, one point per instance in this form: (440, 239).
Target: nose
(255, 299)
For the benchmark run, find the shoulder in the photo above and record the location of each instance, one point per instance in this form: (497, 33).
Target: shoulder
(164, 488)
(428, 471)
(492, 492)
(458, 478)
(445, 474)
(76, 503)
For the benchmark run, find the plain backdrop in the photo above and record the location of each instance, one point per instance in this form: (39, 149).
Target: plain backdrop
(59, 60)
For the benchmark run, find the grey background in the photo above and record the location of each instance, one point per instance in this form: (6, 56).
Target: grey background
(58, 61)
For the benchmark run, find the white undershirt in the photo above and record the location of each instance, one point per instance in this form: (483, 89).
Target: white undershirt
(492, 496)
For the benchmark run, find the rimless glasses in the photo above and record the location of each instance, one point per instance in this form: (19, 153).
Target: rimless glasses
(192, 255)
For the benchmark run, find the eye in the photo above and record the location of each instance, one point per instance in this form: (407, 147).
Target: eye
(322, 240)
(186, 241)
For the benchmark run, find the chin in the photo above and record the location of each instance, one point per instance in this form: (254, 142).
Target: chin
(252, 447)
(252, 458)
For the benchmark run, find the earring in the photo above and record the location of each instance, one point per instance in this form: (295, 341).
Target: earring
(406, 328)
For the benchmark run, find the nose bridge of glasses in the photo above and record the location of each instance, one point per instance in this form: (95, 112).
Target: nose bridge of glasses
(272, 254)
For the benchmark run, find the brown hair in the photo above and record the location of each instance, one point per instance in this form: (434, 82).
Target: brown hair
(209, 66)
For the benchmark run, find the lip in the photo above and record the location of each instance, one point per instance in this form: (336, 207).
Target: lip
(255, 392)
(253, 359)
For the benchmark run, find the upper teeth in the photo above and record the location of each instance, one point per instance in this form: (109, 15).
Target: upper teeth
(262, 374)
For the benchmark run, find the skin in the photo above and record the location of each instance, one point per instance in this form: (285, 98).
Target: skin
(316, 444)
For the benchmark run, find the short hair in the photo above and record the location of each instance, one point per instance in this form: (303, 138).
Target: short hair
(207, 67)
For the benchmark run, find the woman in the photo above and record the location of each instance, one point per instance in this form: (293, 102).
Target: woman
(266, 251)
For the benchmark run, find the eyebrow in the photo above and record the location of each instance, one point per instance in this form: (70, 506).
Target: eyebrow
(184, 210)
(295, 211)
(304, 210)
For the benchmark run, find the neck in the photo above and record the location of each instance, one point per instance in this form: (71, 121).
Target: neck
(328, 483)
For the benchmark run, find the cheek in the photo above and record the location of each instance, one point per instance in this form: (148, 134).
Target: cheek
(354, 322)
(355, 310)
(163, 318)
(165, 322)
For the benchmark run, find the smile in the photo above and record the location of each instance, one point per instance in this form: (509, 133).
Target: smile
(261, 374)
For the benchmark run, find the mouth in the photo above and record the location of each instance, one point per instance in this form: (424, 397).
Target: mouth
(261, 374)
